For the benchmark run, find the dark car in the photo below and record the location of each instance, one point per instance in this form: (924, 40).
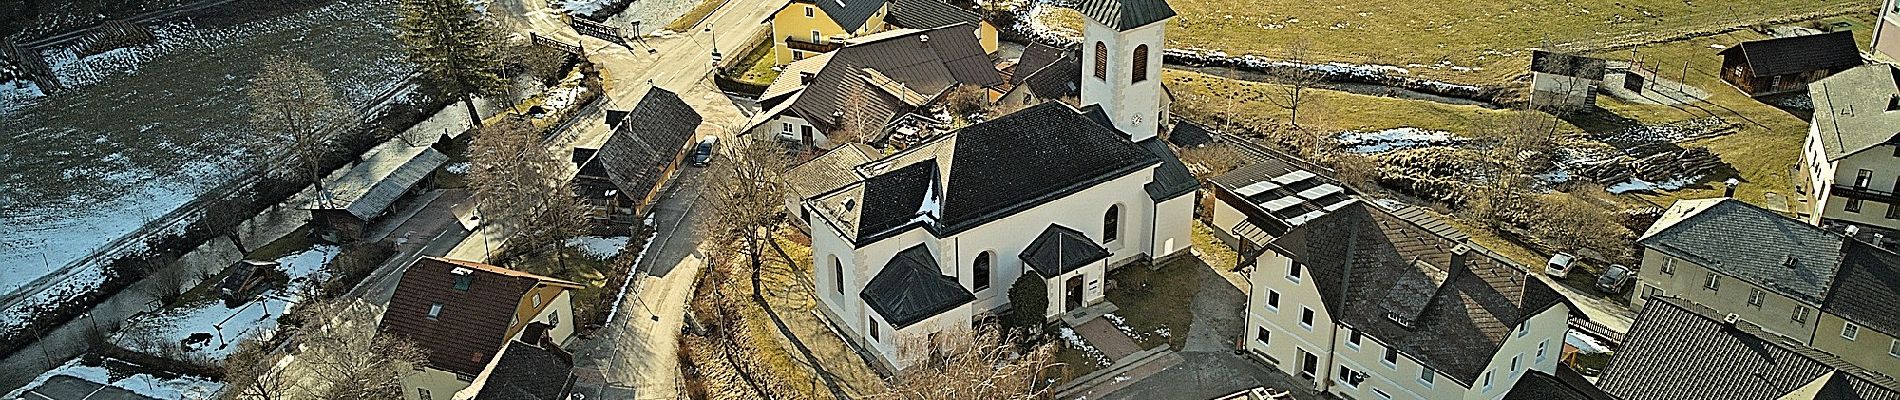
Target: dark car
(703, 152)
(1614, 279)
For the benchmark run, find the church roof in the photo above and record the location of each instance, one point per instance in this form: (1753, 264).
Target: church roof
(911, 288)
(1059, 250)
(1125, 14)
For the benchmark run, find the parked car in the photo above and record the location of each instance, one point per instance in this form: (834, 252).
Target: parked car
(1559, 265)
(1615, 279)
(703, 152)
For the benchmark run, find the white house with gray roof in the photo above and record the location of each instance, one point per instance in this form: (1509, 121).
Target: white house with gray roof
(1818, 287)
(1851, 160)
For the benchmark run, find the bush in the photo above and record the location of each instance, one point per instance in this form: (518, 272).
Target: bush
(1028, 298)
(353, 263)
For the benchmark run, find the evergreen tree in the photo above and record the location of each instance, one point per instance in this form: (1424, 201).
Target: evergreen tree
(457, 48)
(1028, 300)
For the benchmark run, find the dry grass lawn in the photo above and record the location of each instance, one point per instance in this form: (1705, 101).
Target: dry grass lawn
(1204, 97)
(1491, 37)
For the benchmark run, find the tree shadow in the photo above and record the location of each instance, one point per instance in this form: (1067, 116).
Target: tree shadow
(1597, 121)
(830, 379)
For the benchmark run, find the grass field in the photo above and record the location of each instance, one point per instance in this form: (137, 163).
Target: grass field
(1492, 38)
(1204, 97)
(756, 67)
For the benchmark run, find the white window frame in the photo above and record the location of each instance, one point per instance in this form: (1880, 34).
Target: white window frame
(808, 12)
(1390, 358)
(1427, 377)
(1850, 331)
(1713, 282)
(1669, 266)
(1523, 328)
(537, 300)
(1893, 348)
(1264, 340)
(1353, 338)
(785, 127)
(817, 37)
(1345, 378)
(435, 311)
(1800, 314)
(1543, 351)
(1517, 364)
(1306, 318)
(1487, 380)
(1273, 301)
(423, 393)
(1293, 273)
(1756, 297)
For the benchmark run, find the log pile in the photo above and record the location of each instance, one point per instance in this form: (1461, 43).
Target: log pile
(1660, 166)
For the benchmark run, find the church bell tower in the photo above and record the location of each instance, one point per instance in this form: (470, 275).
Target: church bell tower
(1121, 62)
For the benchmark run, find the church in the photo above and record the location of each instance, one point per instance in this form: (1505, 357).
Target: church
(929, 239)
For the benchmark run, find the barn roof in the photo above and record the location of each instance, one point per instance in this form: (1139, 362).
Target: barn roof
(1795, 54)
(384, 175)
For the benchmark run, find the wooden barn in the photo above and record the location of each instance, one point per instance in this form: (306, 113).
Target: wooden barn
(343, 211)
(619, 181)
(1789, 64)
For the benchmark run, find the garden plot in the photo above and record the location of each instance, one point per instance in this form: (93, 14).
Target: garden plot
(113, 377)
(207, 331)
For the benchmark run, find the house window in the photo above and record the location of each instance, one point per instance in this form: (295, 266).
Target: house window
(464, 377)
(1754, 297)
(1101, 61)
(1140, 64)
(1487, 381)
(435, 310)
(1515, 363)
(1853, 205)
(1426, 376)
(785, 127)
(808, 12)
(1345, 377)
(1273, 301)
(536, 300)
(1800, 314)
(871, 325)
(554, 318)
(1543, 348)
(1893, 210)
(462, 282)
(1863, 178)
(1352, 340)
(1521, 328)
(838, 277)
(1713, 282)
(1650, 291)
(1293, 272)
(982, 275)
(816, 38)
(1850, 331)
(1669, 266)
(424, 394)
(1893, 348)
(1306, 318)
(1111, 223)
(1263, 336)
(1391, 359)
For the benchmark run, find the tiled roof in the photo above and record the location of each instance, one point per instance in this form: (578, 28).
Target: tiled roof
(1190, 134)
(1567, 384)
(1036, 56)
(926, 14)
(986, 171)
(654, 133)
(1677, 350)
(1855, 110)
(850, 14)
(792, 78)
(1750, 243)
(1795, 54)
(1567, 65)
(1172, 178)
(529, 372)
(1059, 250)
(1439, 301)
(1059, 78)
(473, 324)
(1125, 14)
(832, 170)
(912, 288)
(1867, 288)
(949, 57)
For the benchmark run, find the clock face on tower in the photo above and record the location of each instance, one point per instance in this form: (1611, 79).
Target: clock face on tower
(1136, 119)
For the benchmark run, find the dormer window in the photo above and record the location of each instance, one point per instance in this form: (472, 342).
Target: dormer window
(462, 282)
(536, 300)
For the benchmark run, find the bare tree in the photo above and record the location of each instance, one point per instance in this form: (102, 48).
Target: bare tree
(296, 119)
(517, 184)
(345, 358)
(1569, 222)
(1524, 139)
(748, 191)
(253, 373)
(971, 365)
(1211, 160)
(1296, 82)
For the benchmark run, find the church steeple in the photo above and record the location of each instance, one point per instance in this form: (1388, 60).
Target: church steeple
(1121, 62)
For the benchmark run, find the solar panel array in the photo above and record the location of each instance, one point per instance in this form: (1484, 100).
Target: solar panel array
(1295, 197)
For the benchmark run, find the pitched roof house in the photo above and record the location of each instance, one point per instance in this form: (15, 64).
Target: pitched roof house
(1678, 349)
(1044, 73)
(802, 29)
(1564, 81)
(1817, 287)
(871, 82)
(347, 205)
(1849, 153)
(464, 314)
(1788, 64)
(620, 180)
(1367, 294)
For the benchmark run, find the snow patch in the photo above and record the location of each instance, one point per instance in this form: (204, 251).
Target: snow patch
(179, 388)
(1395, 139)
(1073, 340)
(602, 247)
(1639, 185)
(460, 168)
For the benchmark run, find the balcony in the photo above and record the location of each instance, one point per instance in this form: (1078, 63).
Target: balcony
(806, 44)
(1851, 192)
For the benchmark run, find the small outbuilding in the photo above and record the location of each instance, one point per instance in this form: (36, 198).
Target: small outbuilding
(343, 210)
(1788, 64)
(620, 180)
(1564, 81)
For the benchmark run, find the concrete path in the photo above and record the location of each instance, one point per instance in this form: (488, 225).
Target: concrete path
(1112, 342)
(634, 356)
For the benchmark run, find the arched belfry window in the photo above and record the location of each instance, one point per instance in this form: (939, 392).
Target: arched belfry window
(1101, 61)
(982, 271)
(1140, 64)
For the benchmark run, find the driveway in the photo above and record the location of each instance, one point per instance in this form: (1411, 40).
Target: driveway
(1208, 366)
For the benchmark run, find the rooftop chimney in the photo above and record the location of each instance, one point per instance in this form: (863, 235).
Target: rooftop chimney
(923, 40)
(1729, 187)
(805, 77)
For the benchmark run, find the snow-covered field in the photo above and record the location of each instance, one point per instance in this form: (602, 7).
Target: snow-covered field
(140, 131)
(1395, 139)
(179, 388)
(160, 331)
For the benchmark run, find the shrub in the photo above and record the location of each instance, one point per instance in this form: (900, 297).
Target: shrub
(1028, 298)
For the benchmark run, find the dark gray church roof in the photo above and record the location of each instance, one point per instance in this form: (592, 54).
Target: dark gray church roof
(911, 287)
(1172, 178)
(1059, 250)
(1125, 14)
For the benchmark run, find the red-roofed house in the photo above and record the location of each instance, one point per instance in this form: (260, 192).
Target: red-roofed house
(463, 313)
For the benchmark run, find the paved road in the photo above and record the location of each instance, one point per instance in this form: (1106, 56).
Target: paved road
(634, 355)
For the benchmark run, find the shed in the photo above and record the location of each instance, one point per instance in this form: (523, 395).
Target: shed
(620, 180)
(1564, 81)
(345, 207)
(1789, 64)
